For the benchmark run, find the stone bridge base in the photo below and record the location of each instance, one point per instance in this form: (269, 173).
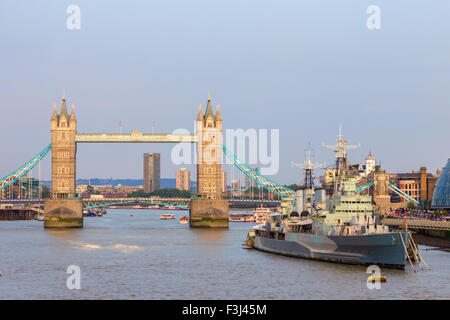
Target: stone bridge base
(63, 213)
(209, 213)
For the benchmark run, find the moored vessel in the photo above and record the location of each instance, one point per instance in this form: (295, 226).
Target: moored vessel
(260, 214)
(94, 212)
(241, 217)
(340, 226)
(349, 235)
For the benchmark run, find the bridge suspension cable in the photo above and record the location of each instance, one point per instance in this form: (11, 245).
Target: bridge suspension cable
(364, 186)
(261, 180)
(23, 170)
(391, 187)
(403, 195)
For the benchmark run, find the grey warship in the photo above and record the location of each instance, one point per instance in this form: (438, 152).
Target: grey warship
(339, 227)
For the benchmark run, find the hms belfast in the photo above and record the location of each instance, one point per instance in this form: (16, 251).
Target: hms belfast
(335, 224)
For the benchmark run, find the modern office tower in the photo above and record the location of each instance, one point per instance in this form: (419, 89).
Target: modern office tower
(183, 179)
(152, 172)
(236, 187)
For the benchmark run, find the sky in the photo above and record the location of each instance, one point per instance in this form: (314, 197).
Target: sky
(302, 67)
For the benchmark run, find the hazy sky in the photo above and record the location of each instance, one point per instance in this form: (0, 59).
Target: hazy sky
(300, 66)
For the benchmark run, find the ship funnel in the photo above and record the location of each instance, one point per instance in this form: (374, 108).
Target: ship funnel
(299, 200)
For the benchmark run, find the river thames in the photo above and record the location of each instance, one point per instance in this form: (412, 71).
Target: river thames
(132, 254)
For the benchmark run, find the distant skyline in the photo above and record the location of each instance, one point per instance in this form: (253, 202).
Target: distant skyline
(302, 67)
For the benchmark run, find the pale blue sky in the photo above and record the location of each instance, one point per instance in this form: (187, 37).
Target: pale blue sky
(300, 66)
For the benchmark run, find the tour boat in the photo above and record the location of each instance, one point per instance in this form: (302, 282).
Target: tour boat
(184, 220)
(260, 214)
(239, 217)
(167, 216)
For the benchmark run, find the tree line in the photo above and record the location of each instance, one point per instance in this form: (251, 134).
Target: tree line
(164, 193)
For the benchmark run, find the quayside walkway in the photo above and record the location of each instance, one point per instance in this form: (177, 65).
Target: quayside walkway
(418, 224)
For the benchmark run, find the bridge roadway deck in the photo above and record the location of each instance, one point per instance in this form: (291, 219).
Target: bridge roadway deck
(134, 137)
(143, 200)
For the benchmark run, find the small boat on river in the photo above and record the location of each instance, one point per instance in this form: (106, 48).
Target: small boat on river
(168, 216)
(184, 220)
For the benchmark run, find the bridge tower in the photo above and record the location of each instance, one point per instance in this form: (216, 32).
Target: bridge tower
(381, 191)
(208, 209)
(64, 149)
(62, 210)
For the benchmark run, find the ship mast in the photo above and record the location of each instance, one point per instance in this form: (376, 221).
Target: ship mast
(340, 151)
(308, 168)
(308, 192)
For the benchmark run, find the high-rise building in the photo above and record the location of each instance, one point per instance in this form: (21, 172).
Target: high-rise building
(183, 179)
(247, 183)
(236, 187)
(152, 172)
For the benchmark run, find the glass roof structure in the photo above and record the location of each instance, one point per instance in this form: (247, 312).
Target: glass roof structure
(441, 195)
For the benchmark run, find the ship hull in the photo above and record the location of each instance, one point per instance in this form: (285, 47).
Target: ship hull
(384, 250)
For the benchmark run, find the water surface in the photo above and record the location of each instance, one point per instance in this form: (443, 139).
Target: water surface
(141, 257)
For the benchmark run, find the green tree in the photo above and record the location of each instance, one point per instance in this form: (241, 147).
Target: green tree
(295, 187)
(163, 193)
(45, 192)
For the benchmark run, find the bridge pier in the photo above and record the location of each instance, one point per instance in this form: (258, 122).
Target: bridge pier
(209, 213)
(63, 213)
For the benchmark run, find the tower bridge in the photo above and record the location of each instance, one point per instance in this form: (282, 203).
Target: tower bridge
(208, 209)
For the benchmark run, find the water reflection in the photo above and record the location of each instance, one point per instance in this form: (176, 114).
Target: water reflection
(64, 234)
